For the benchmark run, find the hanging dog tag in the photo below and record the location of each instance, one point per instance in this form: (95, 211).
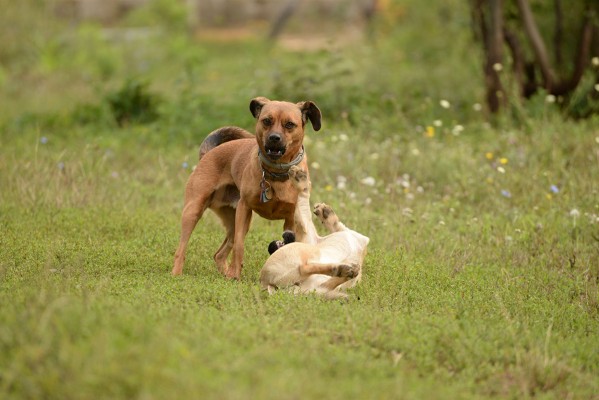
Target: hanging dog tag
(264, 189)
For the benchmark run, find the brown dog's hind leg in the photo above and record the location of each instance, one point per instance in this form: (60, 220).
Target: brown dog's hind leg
(227, 216)
(192, 212)
(243, 219)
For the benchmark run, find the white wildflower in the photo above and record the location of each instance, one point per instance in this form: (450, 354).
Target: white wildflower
(445, 104)
(368, 181)
(457, 130)
(341, 182)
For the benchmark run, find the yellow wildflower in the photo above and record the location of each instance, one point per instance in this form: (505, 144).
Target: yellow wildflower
(430, 131)
(503, 160)
(489, 155)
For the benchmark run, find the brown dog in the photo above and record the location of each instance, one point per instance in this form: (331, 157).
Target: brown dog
(239, 173)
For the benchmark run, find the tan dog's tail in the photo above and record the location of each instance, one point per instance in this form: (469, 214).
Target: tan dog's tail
(222, 135)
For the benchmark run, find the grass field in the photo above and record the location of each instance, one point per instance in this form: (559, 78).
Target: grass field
(483, 270)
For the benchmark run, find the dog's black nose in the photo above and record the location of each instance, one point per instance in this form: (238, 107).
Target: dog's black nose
(274, 137)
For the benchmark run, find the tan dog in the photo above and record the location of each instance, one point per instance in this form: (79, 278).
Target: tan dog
(239, 173)
(327, 265)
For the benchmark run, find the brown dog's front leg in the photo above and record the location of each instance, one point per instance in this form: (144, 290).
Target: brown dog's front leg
(243, 219)
(289, 224)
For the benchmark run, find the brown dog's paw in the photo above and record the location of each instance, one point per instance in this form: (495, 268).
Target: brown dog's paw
(346, 271)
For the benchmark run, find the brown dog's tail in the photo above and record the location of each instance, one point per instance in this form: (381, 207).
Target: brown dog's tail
(222, 135)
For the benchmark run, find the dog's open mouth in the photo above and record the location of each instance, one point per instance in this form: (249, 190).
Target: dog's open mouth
(274, 153)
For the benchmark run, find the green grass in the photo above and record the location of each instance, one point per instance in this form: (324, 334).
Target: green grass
(481, 281)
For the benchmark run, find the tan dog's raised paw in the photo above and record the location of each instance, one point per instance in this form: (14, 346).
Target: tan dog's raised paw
(323, 211)
(299, 179)
(327, 216)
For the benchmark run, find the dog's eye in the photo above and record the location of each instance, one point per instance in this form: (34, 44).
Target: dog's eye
(267, 122)
(289, 125)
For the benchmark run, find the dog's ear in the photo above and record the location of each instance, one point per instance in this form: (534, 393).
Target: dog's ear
(273, 246)
(288, 237)
(311, 112)
(257, 104)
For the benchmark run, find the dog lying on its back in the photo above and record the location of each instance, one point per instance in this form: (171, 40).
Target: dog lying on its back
(325, 265)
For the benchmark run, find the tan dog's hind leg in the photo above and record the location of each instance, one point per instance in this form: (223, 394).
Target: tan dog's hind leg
(337, 270)
(332, 283)
(192, 212)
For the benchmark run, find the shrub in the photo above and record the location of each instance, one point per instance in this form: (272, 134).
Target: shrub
(133, 103)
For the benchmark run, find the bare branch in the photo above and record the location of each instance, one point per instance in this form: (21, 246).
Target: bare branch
(558, 35)
(537, 43)
(519, 66)
(282, 18)
(582, 58)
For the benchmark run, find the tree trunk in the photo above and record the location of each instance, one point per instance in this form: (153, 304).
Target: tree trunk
(493, 64)
(281, 19)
